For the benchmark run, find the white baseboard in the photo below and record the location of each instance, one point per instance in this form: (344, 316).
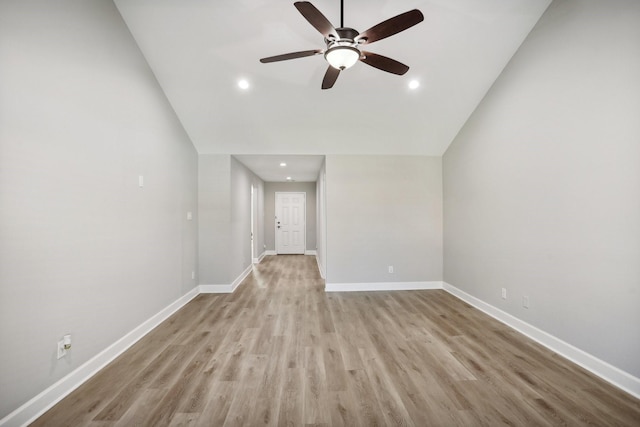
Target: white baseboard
(241, 277)
(321, 268)
(381, 286)
(609, 373)
(259, 259)
(215, 289)
(225, 288)
(41, 403)
(306, 252)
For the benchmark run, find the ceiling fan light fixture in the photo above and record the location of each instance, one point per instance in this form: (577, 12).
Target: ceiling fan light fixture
(342, 57)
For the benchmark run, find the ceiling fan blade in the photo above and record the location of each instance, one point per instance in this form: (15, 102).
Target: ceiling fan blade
(330, 77)
(391, 26)
(292, 55)
(383, 63)
(316, 18)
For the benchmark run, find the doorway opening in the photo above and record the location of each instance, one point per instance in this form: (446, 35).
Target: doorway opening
(254, 256)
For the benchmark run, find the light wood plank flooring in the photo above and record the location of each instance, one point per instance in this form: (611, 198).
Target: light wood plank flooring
(281, 351)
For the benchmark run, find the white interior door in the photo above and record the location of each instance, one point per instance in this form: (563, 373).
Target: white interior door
(290, 223)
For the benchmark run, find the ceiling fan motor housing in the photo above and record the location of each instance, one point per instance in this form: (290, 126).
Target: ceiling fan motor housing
(344, 49)
(346, 36)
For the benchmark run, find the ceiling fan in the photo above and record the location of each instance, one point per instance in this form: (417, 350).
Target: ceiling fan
(343, 43)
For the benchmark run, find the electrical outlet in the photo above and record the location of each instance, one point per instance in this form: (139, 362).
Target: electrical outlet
(61, 350)
(504, 293)
(193, 274)
(391, 269)
(525, 301)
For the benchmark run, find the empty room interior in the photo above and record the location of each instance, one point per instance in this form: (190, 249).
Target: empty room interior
(446, 232)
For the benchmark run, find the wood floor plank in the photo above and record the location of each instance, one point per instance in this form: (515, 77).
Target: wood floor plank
(145, 404)
(218, 403)
(273, 376)
(291, 404)
(239, 411)
(281, 351)
(182, 419)
(343, 409)
(264, 412)
(391, 405)
(132, 391)
(314, 389)
(333, 365)
(369, 411)
(182, 387)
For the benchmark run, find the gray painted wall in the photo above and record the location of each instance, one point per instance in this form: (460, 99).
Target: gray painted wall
(270, 189)
(542, 186)
(381, 211)
(321, 219)
(224, 197)
(84, 249)
(214, 217)
(241, 181)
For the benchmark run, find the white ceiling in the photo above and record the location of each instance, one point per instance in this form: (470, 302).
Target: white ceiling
(301, 168)
(199, 49)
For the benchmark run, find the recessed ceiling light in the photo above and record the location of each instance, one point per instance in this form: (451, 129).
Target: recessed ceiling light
(414, 84)
(289, 178)
(283, 164)
(243, 84)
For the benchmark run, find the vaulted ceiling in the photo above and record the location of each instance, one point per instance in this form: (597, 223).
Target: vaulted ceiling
(200, 49)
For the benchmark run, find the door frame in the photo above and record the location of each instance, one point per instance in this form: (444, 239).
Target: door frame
(253, 224)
